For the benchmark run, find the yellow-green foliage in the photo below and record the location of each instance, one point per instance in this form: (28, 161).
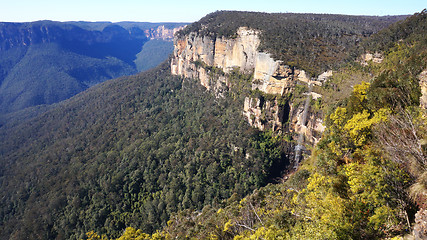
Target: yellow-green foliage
(360, 91)
(350, 129)
(338, 117)
(131, 234)
(94, 236)
(359, 126)
(321, 208)
(369, 194)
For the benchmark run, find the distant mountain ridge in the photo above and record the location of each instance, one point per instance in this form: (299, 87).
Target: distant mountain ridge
(25, 34)
(45, 62)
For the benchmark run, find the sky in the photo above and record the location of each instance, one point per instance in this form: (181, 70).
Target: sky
(189, 10)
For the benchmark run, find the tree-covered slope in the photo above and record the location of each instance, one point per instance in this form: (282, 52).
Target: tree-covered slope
(153, 53)
(48, 74)
(366, 178)
(47, 62)
(128, 152)
(154, 151)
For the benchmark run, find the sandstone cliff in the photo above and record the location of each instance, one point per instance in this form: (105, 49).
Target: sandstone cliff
(369, 57)
(192, 53)
(162, 32)
(211, 60)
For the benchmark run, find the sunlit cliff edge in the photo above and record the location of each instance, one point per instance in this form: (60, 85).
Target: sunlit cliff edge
(193, 53)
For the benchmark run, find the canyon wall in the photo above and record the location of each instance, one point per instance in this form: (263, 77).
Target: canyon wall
(193, 53)
(162, 32)
(211, 60)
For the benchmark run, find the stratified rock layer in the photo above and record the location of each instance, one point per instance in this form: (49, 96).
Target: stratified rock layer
(210, 59)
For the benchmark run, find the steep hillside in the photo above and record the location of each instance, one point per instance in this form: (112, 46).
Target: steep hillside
(129, 152)
(367, 176)
(286, 53)
(179, 152)
(153, 53)
(46, 62)
(47, 74)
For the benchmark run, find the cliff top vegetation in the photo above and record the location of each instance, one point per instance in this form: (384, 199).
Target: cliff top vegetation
(313, 42)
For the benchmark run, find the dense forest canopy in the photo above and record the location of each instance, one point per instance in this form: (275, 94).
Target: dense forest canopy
(129, 152)
(411, 29)
(159, 153)
(366, 178)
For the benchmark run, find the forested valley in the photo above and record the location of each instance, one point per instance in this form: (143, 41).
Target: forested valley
(45, 62)
(157, 156)
(129, 152)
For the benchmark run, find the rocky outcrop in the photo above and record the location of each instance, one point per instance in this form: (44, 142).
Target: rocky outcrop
(162, 32)
(371, 57)
(312, 128)
(270, 77)
(260, 113)
(193, 53)
(211, 60)
(302, 76)
(420, 227)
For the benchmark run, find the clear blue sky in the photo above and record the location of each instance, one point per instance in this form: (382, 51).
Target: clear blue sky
(188, 10)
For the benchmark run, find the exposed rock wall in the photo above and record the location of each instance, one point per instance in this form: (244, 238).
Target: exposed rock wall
(261, 113)
(193, 53)
(162, 32)
(210, 59)
(312, 129)
(371, 57)
(271, 77)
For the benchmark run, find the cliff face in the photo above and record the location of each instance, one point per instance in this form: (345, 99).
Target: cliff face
(162, 32)
(369, 57)
(192, 53)
(211, 59)
(25, 34)
(260, 113)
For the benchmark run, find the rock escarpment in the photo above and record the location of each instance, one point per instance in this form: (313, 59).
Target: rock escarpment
(193, 53)
(211, 60)
(371, 57)
(162, 32)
